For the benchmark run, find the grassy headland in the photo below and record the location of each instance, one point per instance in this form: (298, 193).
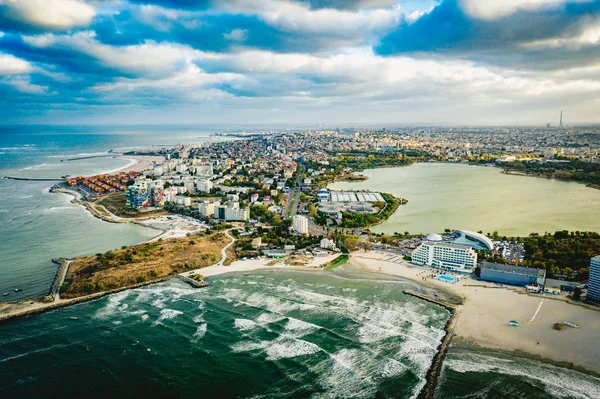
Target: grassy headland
(138, 263)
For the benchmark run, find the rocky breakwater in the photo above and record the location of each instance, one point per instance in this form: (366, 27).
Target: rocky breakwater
(193, 282)
(433, 374)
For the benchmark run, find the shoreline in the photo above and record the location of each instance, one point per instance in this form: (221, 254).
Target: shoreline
(454, 339)
(34, 306)
(485, 313)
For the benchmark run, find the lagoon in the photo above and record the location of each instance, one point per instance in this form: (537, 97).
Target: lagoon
(459, 196)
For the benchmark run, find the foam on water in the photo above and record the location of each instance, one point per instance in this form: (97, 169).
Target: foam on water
(200, 332)
(167, 314)
(244, 324)
(557, 381)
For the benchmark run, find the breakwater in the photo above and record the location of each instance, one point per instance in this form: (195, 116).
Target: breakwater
(61, 272)
(433, 374)
(192, 282)
(63, 303)
(32, 179)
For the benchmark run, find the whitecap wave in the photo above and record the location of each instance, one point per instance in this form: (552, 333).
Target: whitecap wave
(167, 314)
(200, 332)
(244, 324)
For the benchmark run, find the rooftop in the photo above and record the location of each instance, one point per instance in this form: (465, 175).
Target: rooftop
(529, 271)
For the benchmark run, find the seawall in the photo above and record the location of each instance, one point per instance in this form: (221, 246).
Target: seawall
(433, 374)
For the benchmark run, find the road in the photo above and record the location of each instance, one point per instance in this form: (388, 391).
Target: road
(291, 206)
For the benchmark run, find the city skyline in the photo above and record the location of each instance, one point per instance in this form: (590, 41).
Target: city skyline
(458, 62)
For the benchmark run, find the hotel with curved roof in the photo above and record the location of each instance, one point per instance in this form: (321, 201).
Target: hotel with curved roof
(472, 239)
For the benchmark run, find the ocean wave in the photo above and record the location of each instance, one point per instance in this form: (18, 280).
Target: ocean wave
(167, 314)
(198, 318)
(558, 382)
(113, 305)
(281, 347)
(200, 332)
(26, 196)
(244, 324)
(35, 167)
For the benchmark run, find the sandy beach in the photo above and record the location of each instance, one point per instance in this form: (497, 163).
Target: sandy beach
(140, 162)
(483, 318)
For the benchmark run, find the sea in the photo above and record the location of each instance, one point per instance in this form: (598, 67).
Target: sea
(264, 334)
(38, 225)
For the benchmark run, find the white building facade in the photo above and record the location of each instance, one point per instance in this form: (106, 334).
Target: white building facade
(204, 186)
(445, 256)
(206, 209)
(300, 224)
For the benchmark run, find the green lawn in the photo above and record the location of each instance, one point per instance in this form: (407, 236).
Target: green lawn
(337, 262)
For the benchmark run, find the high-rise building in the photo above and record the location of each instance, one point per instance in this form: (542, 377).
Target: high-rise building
(300, 224)
(444, 256)
(594, 279)
(231, 212)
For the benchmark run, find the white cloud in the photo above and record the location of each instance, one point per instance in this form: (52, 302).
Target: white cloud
(492, 9)
(50, 14)
(238, 35)
(11, 65)
(191, 76)
(149, 57)
(297, 17)
(24, 85)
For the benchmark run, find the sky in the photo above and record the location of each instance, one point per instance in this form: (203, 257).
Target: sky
(466, 62)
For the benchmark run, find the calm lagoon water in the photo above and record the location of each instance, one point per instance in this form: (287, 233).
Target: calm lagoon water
(458, 196)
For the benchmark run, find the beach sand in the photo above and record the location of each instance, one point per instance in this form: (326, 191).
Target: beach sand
(483, 318)
(142, 162)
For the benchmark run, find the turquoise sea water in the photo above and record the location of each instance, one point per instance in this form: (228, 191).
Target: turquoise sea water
(260, 335)
(263, 335)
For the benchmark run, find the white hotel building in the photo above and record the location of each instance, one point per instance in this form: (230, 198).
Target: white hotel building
(456, 258)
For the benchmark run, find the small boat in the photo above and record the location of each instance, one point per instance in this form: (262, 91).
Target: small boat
(5, 294)
(18, 289)
(514, 323)
(73, 318)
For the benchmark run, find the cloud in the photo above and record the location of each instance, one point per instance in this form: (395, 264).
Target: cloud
(492, 35)
(304, 60)
(31, 15)
(11, 65)
(486, 9)
(83, 52)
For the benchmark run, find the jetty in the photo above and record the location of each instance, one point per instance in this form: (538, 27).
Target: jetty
(192, 282)
(433, 374)
(33, 179)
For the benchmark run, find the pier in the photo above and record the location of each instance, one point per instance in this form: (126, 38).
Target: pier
(33, 179)
(433, 374)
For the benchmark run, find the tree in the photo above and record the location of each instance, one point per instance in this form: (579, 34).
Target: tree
(477, 271)
(366, 245)
(351, 243)
(577, 294)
